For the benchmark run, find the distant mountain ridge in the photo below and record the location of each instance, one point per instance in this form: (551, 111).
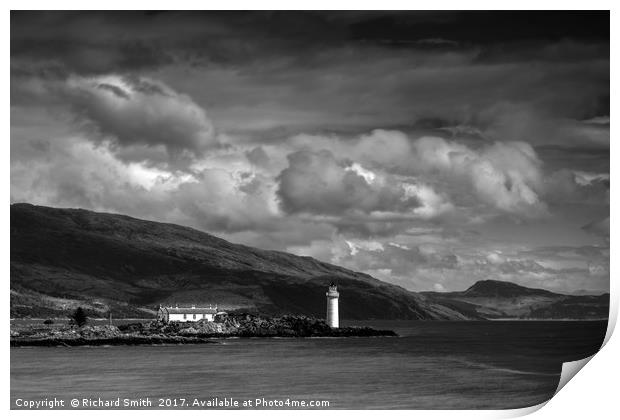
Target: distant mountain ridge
(501, 299)
(503, 289)
(585, 292)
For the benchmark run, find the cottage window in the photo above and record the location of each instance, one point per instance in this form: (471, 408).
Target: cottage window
(194, 316)
(184, 316)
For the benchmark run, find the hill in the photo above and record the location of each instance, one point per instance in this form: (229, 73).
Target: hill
(64, 258)
(503, 289)
(500, 299)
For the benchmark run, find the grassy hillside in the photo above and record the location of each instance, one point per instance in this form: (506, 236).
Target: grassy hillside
(62, 258)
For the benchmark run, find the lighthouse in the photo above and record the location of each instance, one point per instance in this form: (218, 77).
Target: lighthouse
(332, 306)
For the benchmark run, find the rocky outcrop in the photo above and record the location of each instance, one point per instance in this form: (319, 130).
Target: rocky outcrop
(93, 336)
(154, 332)
(250, 325)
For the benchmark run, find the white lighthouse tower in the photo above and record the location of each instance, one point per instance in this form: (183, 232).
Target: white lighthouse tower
(332, 306)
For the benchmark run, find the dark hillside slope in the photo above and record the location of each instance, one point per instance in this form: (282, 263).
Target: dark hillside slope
(61, 258)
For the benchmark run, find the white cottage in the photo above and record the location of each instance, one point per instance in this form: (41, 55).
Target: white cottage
(191, 314)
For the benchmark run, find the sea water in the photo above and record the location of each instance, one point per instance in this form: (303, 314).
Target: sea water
(431, 365)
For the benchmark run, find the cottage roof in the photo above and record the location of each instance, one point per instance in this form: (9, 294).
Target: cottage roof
(175, 310)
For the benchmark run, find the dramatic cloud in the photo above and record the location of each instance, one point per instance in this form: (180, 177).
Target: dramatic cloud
(428, 149)
(504, 175)
(318, 183)
(268, 70)
(141, 114)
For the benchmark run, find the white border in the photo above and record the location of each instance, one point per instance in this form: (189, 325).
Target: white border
(592, 395)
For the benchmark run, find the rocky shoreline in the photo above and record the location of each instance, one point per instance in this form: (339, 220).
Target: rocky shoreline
(111, 341)
(151, 333)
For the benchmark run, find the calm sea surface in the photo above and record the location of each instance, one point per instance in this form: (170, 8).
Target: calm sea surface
(432, 365)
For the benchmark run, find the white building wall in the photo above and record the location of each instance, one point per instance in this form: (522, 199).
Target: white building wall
(190, 317)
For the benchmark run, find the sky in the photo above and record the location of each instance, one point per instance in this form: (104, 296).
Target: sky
(427, 149)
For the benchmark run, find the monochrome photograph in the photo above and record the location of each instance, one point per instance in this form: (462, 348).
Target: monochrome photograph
(306, 210)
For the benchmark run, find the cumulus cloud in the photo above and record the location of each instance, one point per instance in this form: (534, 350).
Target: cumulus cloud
(316, 182)
(506, 176)
(353, 198)
(495, 258)
(220, 201)
(346, 205)
(432, 204)
(589, 178)
(70, 171)
(142, 119)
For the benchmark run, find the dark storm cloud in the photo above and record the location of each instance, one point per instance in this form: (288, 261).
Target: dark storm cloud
(484, 27)
(140, 120)
(500, 73)
(113, 41)
(95, 42)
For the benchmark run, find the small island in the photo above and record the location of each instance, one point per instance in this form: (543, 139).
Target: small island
(202, 331)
